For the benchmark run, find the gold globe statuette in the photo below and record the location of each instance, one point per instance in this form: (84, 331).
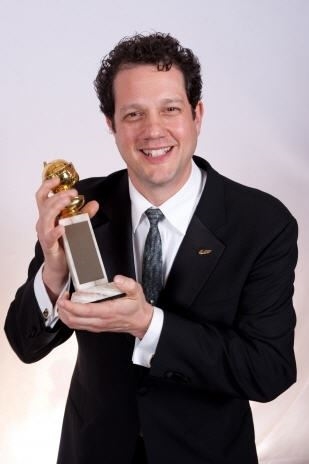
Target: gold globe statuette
(68, 176)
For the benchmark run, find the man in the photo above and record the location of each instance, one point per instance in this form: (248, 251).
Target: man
(167, 378)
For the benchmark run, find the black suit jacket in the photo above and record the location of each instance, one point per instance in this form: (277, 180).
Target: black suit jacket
(227, 336)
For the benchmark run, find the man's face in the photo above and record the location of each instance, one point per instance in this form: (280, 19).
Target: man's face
(154, 129)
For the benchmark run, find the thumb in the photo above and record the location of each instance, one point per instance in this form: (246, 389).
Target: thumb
(91, 208)
(127, 285)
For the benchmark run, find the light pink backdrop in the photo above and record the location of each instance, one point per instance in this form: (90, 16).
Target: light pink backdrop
(254, 56)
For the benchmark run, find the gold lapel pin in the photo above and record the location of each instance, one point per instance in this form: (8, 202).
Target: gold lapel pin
(204, 251)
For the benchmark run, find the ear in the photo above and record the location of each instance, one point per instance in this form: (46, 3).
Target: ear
(199, 113)
(110, 125)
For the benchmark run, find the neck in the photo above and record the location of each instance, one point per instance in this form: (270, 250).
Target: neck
(156, 193)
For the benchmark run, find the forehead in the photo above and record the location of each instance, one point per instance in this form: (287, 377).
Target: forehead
(144, 81)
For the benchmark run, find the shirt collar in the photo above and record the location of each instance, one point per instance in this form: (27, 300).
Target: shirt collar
(178, 209)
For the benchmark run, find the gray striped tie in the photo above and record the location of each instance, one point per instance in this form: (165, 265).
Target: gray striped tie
(152, 279)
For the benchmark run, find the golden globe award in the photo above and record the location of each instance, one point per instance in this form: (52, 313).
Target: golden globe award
(80, 245)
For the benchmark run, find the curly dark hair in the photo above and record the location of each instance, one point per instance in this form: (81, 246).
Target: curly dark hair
(158, 49)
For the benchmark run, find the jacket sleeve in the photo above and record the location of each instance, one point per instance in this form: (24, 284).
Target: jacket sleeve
(25, 326)
(253, 358)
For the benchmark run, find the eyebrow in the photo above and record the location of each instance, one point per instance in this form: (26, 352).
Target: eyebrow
(172, 100)
(138, 106)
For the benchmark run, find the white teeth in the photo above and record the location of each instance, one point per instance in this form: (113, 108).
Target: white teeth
(156, 152)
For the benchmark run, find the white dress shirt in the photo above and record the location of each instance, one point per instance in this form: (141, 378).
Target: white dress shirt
(178, 211)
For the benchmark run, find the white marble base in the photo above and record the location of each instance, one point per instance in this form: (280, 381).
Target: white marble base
(85, 261)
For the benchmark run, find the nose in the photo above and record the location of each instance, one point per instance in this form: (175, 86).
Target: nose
(153, 127)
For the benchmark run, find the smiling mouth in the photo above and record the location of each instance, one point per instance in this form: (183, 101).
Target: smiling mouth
(155, 152)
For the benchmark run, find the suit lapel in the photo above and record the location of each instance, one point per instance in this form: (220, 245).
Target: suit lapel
(201, 249)
(196, 259)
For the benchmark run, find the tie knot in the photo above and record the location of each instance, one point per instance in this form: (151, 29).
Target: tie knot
(154, 215)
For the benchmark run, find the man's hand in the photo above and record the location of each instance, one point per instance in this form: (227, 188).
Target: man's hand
(131, 313)
(55, 271)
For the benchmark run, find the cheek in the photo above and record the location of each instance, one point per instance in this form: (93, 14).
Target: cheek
(129, 134)
(183, 127)
(185, 134)
(123, 139)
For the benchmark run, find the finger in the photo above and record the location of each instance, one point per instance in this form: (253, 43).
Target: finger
(93, 323)
(49, 186)
(44, 193)
(49, 211)
(65, 305)
(83, 310)
(46, 187)
(54, 202)
(83, 323)
(65, 296)
(84, 316)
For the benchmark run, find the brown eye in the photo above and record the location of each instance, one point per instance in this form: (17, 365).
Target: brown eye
(133, 115)
(172, 109)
